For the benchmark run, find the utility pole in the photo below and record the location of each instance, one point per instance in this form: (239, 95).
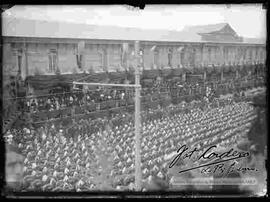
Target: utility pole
(138, 173)
(137, 86)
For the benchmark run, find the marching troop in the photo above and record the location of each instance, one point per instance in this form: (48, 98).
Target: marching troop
(59, 158)
(97, 153)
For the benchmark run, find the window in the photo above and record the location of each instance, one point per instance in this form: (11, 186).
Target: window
(192, 57)
(156, 53)
(170, 57)
(124, 58)
(244, 54)
(209, 55)
(180, 55)
(256, 54)
(80, 54)
(19, 58)
(238, 54)
(182, 61)
(103, 59)
(124, 54)
(261, 55)
(226, 54)
(250, 55)
(141, 53)
(79, 60)
(52, 60)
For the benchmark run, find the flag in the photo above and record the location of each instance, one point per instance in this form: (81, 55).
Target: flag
(153, 48)
(180, 48)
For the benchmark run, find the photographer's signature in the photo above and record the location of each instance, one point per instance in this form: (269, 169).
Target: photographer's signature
(215, 161)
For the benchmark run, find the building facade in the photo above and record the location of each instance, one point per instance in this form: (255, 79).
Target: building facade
(49, 48)
(41, 56)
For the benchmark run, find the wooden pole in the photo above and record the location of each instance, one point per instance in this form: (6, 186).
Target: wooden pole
(138, 173)
(26, 60)
(137, 86)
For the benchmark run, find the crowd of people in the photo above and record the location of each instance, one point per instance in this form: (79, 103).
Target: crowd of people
(102, 98)
(59, 158)
(98, 153)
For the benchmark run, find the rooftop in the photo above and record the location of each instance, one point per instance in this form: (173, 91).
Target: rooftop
(46, 29)
(205, 28)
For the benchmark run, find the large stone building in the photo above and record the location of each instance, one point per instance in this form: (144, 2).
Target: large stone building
(43, 48)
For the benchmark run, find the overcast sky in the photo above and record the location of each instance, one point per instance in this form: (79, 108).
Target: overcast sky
(247, 20)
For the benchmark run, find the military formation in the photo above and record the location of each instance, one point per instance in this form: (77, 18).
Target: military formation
(61, 158)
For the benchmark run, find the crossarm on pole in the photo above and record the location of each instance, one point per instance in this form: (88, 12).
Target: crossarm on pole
(107, 84)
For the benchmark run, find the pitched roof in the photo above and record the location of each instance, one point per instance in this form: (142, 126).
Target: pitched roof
(205, 28)
(194, 32)
(46, 29)
(36, 28)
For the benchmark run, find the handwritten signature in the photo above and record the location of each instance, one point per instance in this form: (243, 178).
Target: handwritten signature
(217, 160)
(221, 168)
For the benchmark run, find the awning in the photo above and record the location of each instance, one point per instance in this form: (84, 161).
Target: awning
(46, 82)
(150, 74)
